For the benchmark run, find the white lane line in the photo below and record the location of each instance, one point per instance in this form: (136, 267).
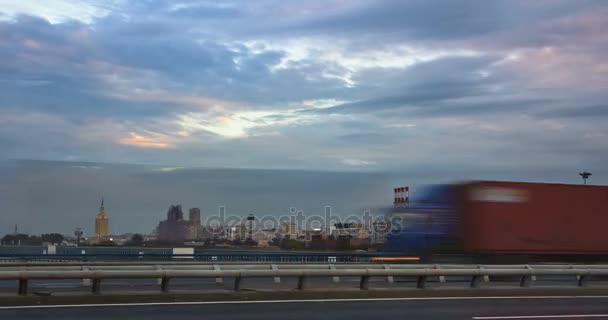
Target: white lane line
(544, 317)
(189, 303)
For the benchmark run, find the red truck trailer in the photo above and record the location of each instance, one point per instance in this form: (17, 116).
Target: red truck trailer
(534, 219)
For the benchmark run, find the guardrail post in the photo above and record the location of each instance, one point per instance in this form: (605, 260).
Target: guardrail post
(485, 278)
(526, 280)
(475, 281)
(421, 282)
(96, 286)
(218, 280)
(532, 277)
(164, 285)
(441, 278)
(275, 268)
(22, 287)
(86, 282)
(582, 280)
(389, 279)
(301, 282)
(159, 280)
(364, 284)
(237, 283)
(335, 279)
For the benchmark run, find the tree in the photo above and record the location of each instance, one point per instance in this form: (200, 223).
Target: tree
(21, 239)
(54, 238)
(295, 244)
(136, 240)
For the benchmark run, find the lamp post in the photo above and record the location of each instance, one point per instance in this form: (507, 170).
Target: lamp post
(585, 175)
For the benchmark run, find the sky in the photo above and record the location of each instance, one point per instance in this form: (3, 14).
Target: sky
(427, 90)
(56, 196)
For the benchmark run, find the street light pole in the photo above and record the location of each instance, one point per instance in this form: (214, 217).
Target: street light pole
(585, 175)
(78, 233)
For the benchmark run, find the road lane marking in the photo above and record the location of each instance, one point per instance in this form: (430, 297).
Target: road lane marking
(544, 316)
(194, 303)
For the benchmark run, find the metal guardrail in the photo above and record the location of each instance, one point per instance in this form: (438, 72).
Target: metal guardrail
(48, 266)
(526, 274)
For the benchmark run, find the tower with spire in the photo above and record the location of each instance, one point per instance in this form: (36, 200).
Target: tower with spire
(102, 222)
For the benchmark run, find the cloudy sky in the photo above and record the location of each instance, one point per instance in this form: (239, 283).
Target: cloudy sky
(428, 89)
(332, 85)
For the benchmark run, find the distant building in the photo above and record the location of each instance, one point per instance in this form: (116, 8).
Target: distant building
(194, 224)
(210, 232)
(102, 222)
(195, 216)
(380, 228)
(178, 230)
(288, 229)
(237, 233)
(175, 228)
(353, 230)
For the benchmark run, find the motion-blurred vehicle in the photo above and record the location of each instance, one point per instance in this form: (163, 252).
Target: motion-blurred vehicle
(504, 222)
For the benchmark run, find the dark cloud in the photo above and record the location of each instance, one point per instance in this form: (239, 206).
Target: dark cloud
(207, 11)
(419, 19)
(489, 106)
(370, 138)
(423, 20)
(576, 112)
(82, 72)
(425, 84)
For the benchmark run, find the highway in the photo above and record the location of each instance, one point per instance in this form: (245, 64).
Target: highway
(487, 308)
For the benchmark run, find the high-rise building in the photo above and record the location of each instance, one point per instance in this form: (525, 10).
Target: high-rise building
(194, 224)
(102, 222)
(176, 229)
(195, 216)
(175, 213)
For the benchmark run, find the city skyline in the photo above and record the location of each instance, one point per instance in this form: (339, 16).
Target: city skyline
(59, 196)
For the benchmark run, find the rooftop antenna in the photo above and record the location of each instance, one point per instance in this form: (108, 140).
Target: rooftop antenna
(585, 175)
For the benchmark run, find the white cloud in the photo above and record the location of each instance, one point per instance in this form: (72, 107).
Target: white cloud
(169, 169)
(237, 124)
(358, 162)
(56, 11)
(350, 60)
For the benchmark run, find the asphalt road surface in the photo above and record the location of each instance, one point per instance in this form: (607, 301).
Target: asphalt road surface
(486, 308)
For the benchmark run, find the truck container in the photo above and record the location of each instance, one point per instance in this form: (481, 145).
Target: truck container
(533, 218)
